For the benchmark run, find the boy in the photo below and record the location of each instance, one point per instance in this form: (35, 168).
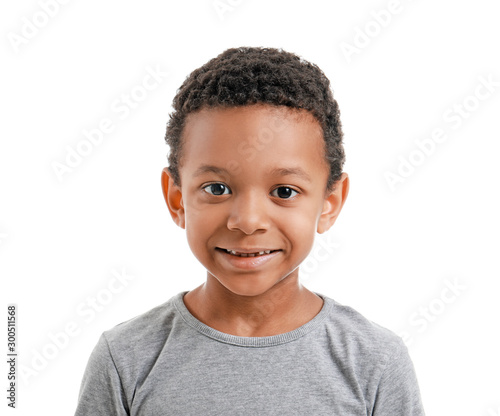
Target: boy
(255, 170)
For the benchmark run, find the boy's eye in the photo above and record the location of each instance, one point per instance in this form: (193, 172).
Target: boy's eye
(284, 192)
(217, 189)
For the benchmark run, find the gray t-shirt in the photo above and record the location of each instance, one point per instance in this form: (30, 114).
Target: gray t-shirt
(167, 362)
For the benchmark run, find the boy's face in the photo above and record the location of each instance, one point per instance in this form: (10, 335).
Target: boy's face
(253, 179)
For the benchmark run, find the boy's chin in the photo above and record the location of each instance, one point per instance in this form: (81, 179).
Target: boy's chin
(246, 285)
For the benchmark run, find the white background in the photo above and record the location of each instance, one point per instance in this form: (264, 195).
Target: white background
(395, 251)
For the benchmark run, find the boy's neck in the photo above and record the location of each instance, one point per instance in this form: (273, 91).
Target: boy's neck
(283, 308)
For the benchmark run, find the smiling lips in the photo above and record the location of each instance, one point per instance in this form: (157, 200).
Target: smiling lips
(247, 259)
(247, 253)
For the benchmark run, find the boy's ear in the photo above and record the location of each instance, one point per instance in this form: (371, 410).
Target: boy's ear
(173, 198)
(334, 202)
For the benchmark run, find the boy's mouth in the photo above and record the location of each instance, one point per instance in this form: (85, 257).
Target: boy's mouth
(247, 253)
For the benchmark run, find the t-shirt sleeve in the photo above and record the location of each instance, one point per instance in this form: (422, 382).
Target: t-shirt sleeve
(398, 392)
(101, 391)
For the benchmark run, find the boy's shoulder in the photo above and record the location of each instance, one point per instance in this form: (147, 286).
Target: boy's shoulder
(350, 321)
(365, 342)
(152, 325)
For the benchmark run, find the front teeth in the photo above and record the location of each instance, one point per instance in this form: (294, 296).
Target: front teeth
(260, 253)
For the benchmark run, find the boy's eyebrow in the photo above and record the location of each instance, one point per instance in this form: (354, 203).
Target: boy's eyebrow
(291, 171)
(297, 171)
(209, 168)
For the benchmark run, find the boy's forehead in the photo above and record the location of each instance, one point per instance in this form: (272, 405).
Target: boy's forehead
(258, 121)
(254, 139)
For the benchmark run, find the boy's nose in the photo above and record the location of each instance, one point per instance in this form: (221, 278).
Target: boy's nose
(248, 214)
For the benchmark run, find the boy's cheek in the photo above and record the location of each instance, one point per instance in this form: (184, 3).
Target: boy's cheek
(195, 208)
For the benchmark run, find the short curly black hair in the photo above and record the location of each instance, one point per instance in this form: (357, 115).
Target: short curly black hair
(253, 75)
